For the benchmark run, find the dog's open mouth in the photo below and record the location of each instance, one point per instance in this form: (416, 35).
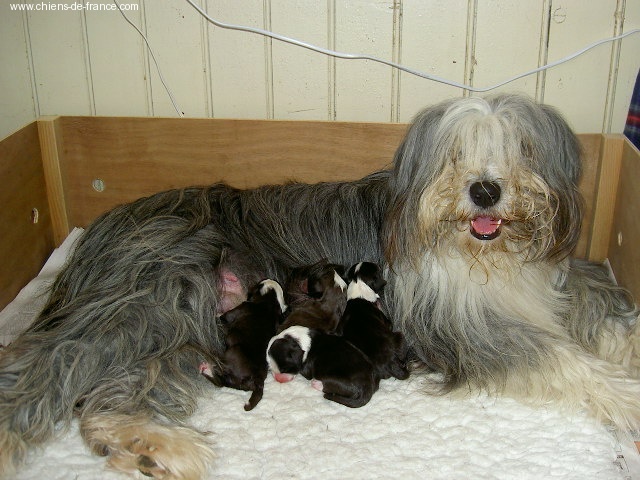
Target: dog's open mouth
(485, 228)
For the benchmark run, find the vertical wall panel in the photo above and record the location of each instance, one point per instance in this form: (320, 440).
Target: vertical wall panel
(579, 88)
(16, 100)
(173, 30)
(238, 74)
(363, 88)
(627, 68)
(300, 76)
(514, 51)
(433, 41)
(118, 72)
(68, 62)
(60, 62)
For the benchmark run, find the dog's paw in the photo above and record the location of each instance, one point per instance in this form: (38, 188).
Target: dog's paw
(317, 384)
(145, 460)
(138, 444)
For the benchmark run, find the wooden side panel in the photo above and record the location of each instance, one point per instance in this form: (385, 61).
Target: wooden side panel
(135, 157)
(24, 245)
(591, 145)
(606, 188)
(624, 253)
(51, 146)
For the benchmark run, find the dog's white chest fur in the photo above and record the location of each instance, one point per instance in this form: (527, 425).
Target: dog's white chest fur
(522, 292)
(474, 294)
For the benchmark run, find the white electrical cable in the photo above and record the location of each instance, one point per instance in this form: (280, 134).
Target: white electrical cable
(164, 83)
(357, 56)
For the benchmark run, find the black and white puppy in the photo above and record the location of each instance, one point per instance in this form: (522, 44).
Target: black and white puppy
(367, 327)
(335, 366)
(249, 327)
(322, 306)
(307, 281)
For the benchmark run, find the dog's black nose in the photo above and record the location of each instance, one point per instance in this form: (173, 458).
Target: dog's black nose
(484, 194)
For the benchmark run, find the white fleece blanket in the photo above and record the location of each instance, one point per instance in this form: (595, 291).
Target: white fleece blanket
(294, 433)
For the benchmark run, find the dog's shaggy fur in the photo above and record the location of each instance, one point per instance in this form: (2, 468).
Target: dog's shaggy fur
(475, 223)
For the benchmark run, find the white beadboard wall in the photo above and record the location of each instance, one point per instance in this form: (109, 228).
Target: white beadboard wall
(94, 63)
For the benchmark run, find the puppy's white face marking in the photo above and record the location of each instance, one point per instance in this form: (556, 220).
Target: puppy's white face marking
(300, 335)
(339, 281)
(359, 289)
(268, 285)
(357, 268)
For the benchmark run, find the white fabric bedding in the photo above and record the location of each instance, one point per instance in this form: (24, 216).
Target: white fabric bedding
(294, 433)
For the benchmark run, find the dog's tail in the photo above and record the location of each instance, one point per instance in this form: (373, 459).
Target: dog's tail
(129, 318)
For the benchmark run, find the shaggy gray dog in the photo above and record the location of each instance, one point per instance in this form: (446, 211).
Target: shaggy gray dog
(475, 223)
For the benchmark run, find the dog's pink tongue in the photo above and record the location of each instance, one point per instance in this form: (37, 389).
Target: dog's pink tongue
(283, 377)
(485, 225)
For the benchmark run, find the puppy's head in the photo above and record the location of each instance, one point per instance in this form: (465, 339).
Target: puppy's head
(238, 371)
(287, 352)
(369, 273)
(324, 276)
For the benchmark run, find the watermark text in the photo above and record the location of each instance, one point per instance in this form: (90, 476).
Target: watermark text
(72, 7)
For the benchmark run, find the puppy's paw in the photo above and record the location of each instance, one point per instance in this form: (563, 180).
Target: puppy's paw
(317, 384)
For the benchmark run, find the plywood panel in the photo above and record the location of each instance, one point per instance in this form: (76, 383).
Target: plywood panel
(300, 76)
(579, 88)
(51, 141)
(138, 157)
(624, 254)
(238, 63)
(433, 37)
(514, 50)
(591, 150)
(606, 188)
(118, 72)
(363, 88)
(174, 32)
(24, 245)
(16, 101)
(60, 62)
